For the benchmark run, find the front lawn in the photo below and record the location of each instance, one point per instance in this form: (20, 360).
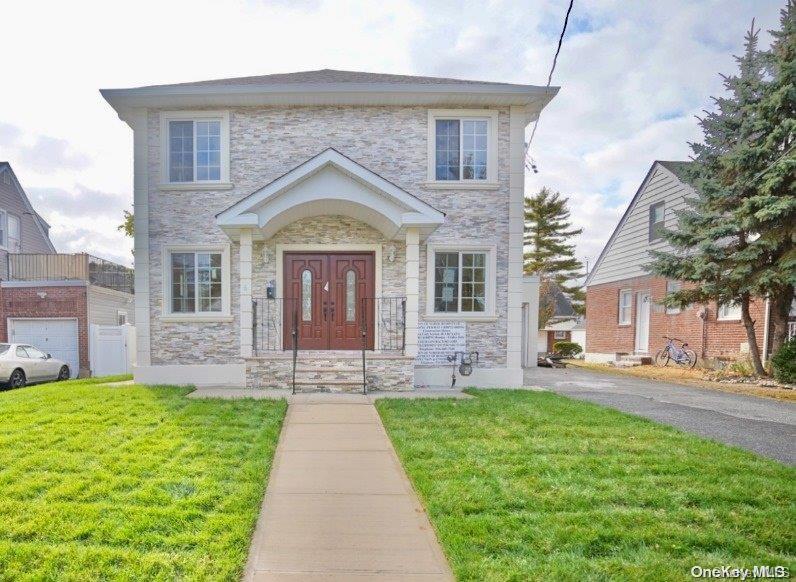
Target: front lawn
(529, 485)
(130, 482)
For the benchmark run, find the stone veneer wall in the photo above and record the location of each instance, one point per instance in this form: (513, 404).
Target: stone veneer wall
(265, 143)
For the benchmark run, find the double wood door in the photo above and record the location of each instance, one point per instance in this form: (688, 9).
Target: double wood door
(331, 295)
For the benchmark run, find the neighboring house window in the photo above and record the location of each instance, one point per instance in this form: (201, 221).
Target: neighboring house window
(560, 335)
(460, 281)
(729, 311)
(196, 147)
(10, 232)
(657, 212)
(3, 229)
(625, 306)
(197, 284)
(6, 177)
(462, 146)
(121, 317)
(672, 287)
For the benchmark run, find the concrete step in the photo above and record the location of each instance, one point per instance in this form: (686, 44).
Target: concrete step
(634, 360)
(328, 386)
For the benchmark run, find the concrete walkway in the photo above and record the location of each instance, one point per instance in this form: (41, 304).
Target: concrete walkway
(339, 505)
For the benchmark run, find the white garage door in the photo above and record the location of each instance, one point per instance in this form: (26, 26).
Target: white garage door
(57, 337)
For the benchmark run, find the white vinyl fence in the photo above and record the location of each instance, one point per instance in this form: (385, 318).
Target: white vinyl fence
(111, 349)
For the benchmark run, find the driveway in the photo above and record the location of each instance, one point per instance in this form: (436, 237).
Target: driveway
(766, 427)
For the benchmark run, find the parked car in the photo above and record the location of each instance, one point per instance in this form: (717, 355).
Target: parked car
(22, 364)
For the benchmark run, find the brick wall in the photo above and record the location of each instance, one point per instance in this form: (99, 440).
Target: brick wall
(59, 302)
(551, 339)
(711, 338)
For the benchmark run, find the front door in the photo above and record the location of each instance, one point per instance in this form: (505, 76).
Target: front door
(643, 322)
(330, 295)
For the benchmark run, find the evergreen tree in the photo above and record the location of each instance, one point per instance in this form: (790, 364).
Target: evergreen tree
(550, 254)
(771, 210)
(713, 245)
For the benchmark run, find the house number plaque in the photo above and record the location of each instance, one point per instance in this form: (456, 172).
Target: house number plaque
(436, 340)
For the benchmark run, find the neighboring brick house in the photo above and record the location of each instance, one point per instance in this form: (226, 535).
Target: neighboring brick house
(356, 209)
(624, 310)
(48, 299)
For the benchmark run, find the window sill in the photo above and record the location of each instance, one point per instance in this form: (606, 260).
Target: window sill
(197, 186)
(459, 317)
(201, 318)
(628, 324)
(461, 185)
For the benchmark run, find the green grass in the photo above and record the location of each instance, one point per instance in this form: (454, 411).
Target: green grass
(532, 486)
(131, 483)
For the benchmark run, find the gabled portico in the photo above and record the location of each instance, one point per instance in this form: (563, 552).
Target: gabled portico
(330, 184)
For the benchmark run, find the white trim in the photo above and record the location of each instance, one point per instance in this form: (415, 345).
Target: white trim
(320, 248)
(480, 378)
(226, 276)
(490, 279)
(142, 317)
(518, 121)
(62, 283)
(491, 117)
(196, 374)
(462, 185)
(720, 317)
(629, 319)
(374, 200)
(200, 115)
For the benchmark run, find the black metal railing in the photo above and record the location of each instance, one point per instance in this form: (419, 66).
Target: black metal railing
(384, 317)
(69, 267)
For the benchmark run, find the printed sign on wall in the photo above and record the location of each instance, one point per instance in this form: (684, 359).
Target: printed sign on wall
(438, 339)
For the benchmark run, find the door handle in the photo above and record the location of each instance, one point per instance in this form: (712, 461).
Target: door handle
(331, 310)
(324, 310)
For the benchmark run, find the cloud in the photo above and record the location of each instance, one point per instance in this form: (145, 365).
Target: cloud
(78, 202)
(45, 155)
(106, 244)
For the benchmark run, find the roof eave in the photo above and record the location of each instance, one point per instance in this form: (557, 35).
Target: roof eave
(533, 97)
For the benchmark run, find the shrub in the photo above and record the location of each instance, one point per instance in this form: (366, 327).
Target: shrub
(567, 349)
(783, 363)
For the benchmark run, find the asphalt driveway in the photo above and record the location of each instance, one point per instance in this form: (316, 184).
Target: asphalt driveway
(766, 427)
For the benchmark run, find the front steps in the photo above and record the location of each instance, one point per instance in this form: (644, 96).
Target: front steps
(330, 371)
(632, 360)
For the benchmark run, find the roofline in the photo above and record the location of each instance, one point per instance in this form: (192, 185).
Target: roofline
(40, 222)
(622, 221)
(340, 93)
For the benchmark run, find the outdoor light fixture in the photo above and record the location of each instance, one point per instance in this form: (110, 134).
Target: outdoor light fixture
(391, 253)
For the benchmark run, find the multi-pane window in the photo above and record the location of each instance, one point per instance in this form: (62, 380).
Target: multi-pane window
(194, 151)
(656, 220)
(461, 149)
(729, 311)
(672, 287)
(625, 306)
(14, 234)
(460, 282)
(196, 284)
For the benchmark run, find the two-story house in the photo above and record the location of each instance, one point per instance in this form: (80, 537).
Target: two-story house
(345, 215)
(49, 299)
(624, 309)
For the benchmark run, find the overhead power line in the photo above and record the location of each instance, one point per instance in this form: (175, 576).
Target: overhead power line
(529, 161)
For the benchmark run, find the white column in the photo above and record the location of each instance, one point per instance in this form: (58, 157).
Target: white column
(138, 120)
(245, 270)
(517, 123)
(412, 289)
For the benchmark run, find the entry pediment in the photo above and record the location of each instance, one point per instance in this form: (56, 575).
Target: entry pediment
(330, 184)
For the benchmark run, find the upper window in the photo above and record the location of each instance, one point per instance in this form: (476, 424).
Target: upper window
(672, 287)
(196, 147)
(121, 317)
(460, 282)
(625, 306)
(10, 232)
(558, 334)
(462, 146)
(196, 282)
(657, 212)
(729, 311)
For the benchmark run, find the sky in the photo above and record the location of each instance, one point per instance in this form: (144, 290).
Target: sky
(633, 75)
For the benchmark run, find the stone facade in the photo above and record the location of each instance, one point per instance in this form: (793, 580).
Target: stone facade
(266, 142)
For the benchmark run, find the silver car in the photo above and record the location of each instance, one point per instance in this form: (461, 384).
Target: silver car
(22, 364)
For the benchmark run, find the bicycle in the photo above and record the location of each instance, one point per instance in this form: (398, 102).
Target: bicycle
(671, 353)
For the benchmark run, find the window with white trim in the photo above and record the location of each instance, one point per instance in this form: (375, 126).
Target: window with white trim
(672, 287)
(121, 317)
(657, 221)
(6, 177)
(729, 311)
(559, 335)
(195, 147)
(196, 282)
(462, 146)
(3, 229)
(625, 306)
(460, 282)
